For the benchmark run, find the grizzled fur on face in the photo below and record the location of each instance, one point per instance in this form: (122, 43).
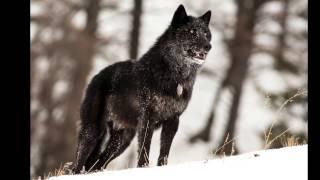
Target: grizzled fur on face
(189, 38)
(138, 96)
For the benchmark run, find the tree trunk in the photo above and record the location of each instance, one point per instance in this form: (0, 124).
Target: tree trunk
(281, 62)
(59, 142)
(135, 31)
(240, 49)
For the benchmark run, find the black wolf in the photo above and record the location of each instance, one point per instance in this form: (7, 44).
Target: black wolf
(141, 96)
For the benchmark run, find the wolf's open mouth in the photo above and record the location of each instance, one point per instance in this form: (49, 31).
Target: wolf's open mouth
(196, 57)
(201, 56)
(196, 60)
(197, 54)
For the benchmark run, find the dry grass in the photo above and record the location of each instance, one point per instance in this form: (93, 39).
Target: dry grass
(268, 142)
(285, 140)
(62, 170)
(226, 141)
(291, 141)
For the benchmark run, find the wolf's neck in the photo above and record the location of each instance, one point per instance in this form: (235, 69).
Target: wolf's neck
(165, 58)
(166, 67)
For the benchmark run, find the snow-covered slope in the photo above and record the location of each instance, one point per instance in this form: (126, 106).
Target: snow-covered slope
(285, 163)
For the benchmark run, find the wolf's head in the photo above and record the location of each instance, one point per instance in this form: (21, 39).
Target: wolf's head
(189, 37)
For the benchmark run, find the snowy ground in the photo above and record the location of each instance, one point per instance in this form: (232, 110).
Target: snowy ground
(285, 163)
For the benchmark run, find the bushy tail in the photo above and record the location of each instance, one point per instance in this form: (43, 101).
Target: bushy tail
(93, 105)
(92, 129)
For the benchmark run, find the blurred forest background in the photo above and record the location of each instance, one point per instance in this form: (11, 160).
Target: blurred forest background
(254, 78)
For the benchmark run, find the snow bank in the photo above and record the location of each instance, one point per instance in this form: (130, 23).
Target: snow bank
(285, 163)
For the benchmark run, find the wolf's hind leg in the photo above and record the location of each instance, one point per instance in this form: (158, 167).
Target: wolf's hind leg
(118, 142)
(88, 138)
(94, 156)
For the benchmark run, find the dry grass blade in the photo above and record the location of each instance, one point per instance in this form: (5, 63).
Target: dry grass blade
(291, 141)
(93, 165)
(225, 143)
(144, 138)
(57, 172)
(281, 134)
(289, 100)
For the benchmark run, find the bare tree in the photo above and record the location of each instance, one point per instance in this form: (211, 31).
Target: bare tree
(240, 47)
(293, 66)
(135, 31)
(69, 58)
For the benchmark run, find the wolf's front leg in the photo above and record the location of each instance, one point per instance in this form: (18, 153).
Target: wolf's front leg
(145, 132)
(169, 129)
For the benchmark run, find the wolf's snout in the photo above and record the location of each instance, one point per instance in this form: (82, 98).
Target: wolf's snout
(207, 47)
(201, 54)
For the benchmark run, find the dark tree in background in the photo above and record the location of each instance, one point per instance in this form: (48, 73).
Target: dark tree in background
(68, 53)
(240, 47)
(291, 60)
(62, 57)
(135, 31)
(240, 50)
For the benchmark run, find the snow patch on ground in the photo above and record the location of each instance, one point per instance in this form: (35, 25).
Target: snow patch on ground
(285, 163)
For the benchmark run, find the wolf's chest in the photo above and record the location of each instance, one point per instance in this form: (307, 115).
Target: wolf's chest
(168, 105)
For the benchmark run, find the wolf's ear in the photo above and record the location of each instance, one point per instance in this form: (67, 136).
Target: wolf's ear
(206, 17)
(180, 16)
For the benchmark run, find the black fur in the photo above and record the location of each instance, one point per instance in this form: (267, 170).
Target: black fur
(140, 96)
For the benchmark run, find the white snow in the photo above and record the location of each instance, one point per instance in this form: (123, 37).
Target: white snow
(285, 163)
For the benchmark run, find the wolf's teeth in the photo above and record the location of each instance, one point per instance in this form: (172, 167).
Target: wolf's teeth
(196, 60)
